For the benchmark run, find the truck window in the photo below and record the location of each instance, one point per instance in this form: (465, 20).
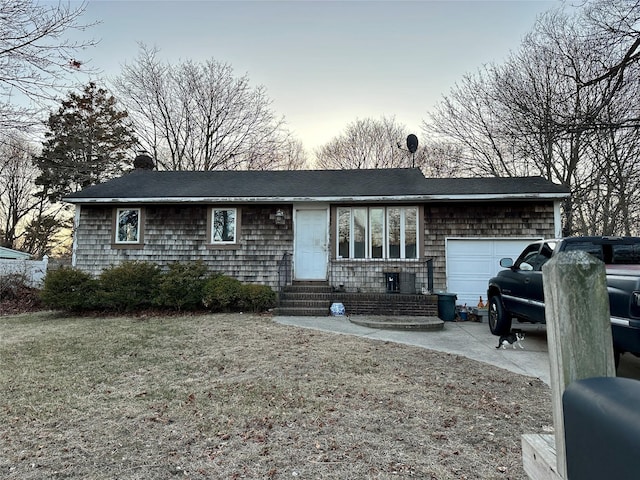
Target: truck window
(541, 258)
(625, 254)
(585, 246)
(535, 255)
(530, 252)
(609, 253)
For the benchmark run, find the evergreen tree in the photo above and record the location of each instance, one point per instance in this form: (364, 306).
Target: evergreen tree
(87, 142)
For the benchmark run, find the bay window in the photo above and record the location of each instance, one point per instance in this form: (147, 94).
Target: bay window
(376, 226)
(377, 232)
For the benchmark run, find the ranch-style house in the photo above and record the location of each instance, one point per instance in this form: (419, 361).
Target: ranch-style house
(356, 231)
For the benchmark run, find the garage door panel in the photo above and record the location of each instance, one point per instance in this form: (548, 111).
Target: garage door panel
(467, 292)
(466, 265)
(464, 248)
(471, 262)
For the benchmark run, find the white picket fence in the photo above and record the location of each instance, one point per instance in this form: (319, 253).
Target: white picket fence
(34, 271)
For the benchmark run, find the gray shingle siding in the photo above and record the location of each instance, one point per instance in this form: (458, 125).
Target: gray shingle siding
(179, 234)
(174, 233)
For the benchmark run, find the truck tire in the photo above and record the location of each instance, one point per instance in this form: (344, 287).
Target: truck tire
(499, 321)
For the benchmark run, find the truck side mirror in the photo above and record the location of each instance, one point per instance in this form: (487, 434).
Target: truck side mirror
(506, 262)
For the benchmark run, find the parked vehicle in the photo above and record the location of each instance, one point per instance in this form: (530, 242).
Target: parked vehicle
(517, 292)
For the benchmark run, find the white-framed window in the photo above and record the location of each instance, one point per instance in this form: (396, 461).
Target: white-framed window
(128, 226)
(377, 232)
(224, 224)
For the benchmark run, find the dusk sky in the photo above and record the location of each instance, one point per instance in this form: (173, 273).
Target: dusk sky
(324, 64)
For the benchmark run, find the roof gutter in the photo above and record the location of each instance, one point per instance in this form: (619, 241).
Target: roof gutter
(333, 199)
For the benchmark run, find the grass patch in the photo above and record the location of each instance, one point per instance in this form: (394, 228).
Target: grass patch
(238, 396)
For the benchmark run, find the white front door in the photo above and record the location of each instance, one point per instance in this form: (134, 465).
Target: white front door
(311, 230)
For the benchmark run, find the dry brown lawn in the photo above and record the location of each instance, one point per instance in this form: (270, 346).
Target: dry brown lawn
(239, 396)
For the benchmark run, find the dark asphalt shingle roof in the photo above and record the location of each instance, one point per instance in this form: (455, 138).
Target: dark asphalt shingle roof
(150, 184)
(492, 185)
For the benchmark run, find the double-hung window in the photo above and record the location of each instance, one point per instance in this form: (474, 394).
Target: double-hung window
(128, 226)
(377, 232)
(224, 226)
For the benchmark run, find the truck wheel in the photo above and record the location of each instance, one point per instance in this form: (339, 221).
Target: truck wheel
(499, 321)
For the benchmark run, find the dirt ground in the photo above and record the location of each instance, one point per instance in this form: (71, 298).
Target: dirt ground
(239, 396)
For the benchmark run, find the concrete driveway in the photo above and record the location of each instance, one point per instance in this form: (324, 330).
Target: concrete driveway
(468, 339)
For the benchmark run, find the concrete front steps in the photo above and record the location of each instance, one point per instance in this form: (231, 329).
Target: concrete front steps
(398, 323)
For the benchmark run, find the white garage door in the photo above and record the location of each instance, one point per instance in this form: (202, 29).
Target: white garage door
(471, 262)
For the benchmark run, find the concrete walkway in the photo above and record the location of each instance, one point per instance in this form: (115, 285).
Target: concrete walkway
(468, 339)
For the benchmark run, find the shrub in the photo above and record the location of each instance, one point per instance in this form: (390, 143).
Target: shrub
(68, 289)
(258, 298)
(11, 285)
(132, 285)
(182, 286)
(222, 293)
(136, 285)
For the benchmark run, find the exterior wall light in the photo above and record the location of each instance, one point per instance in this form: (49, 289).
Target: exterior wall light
(280, 217)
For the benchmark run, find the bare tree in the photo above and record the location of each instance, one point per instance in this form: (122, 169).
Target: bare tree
(550, 110)
(469, 117)
(35, 58)
(21, 208)
(16, 186)
(614, 27)
(440, 159)
(612, 189)
(366, 143)
(200, 116)
(288, 154)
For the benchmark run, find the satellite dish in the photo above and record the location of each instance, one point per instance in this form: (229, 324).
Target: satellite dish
(412, 143)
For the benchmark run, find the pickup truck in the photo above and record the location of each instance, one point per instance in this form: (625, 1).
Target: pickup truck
(517, 292)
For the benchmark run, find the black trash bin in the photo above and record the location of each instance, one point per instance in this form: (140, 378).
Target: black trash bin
(447, 306)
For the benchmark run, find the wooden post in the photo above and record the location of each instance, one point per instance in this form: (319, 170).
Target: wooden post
(580, 345)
